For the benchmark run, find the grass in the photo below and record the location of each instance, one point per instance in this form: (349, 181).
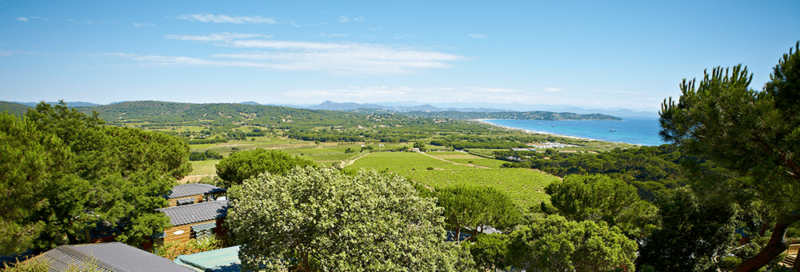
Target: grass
(204, 167)
(524, 186)
(402, 161)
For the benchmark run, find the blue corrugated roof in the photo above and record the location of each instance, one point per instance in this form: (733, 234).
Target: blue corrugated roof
(220, 260)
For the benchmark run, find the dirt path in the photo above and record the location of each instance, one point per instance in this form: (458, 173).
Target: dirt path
(345, 163)
(471, 165)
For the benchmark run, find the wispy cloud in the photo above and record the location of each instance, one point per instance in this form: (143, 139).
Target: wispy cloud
(224, 36)
(333, 35)
(552, 90)
(27, 19)
(352, 59)
(211, 18)
(345, 19)
(143, 25)
(6, 53)
(477, 36)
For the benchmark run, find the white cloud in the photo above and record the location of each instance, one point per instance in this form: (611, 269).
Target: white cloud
(211, 18)
(350, 59)
(358, 19)
(477, 36)
(5, 53)
(223, 36)
(343, 19)
(333, 35)
(22, 19)
(142, 25)
(552, 90)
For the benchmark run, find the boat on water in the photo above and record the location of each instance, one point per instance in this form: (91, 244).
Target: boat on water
(611, 130)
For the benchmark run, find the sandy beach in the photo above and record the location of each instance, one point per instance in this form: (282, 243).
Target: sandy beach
(540, 132)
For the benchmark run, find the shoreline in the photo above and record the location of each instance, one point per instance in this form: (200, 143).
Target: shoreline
(483, 121)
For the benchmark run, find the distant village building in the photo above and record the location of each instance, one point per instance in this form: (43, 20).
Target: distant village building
(113, 256)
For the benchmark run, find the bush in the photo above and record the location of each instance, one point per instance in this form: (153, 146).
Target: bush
(171, 250)
(430, 167)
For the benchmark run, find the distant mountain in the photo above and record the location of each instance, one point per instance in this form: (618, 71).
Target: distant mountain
(75, 104)
(349, 106)
(250, 103)
(530, 115)
(13, 108)
(328, 105)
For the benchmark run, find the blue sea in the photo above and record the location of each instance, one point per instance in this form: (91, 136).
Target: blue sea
(633, 130)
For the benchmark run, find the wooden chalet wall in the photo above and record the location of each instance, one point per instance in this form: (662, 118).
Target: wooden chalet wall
(188, 233)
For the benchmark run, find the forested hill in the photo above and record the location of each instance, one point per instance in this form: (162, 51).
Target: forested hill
(13, 108)
(528, 115)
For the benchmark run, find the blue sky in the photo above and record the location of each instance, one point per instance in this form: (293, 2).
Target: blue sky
(621, 54)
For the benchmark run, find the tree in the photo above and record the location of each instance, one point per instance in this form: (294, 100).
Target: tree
(316, 219)
(489, 251)
(597, 197)
(246, 164)
(32, 161)
(555, 244)
(475, 207)
(692, 233)
(754, 134)
(419, 145)
(115, 176)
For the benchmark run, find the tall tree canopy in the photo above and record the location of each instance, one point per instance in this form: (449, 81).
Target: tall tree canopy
(554, 243)
(246, 164)
(81, 173)
(754, 134)
(597, 197)
(475, 207)
(315, 219)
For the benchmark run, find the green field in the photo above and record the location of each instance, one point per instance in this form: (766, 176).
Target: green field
(464, 158)
(402, 161)
(204, 167)
(524, 186)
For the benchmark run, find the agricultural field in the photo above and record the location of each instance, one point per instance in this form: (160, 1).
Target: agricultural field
(208, 168)
(524, 186)
(465, 158)
(402, 161)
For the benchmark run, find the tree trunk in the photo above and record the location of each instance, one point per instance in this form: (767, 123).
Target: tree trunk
(774, 247)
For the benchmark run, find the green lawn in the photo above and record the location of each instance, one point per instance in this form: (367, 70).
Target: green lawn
(204, 167)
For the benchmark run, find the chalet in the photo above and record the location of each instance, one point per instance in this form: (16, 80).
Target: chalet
(191, 193)
(114, 256)
(220, 260)
(194, 221)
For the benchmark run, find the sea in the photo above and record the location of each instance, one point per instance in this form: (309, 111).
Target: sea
(633, 130)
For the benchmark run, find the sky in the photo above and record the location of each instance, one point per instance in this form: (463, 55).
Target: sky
(591, 54)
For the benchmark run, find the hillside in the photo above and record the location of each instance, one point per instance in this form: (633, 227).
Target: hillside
(13, 108)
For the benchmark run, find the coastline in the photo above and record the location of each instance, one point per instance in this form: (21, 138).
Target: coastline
(483, 121)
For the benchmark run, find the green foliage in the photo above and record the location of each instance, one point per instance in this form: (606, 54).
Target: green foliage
(172, 250)
(524, 187)
(556, 244)
(32, 162)
(109, 174)
(12, 108)
(315, 219)
(691, 234)
(419, 144)
(489, 251)
(755, 135)
(596, 198)
(475, 207)
(246, 164)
